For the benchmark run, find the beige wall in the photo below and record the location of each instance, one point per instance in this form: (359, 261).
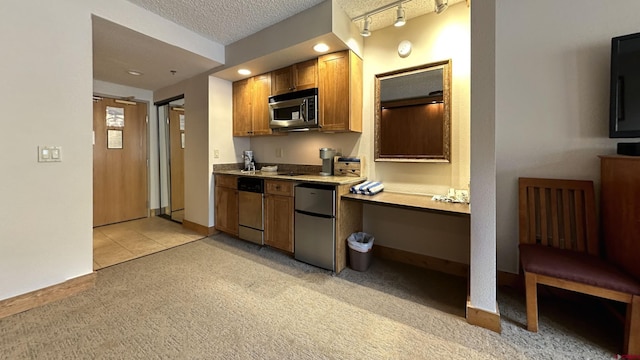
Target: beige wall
(434, 38)
(552, 96)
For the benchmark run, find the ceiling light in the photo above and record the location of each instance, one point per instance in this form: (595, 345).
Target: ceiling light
(321, 47)
(134, 72)
(365, 28)
(441, 5)
(400, 19)
(244, 72)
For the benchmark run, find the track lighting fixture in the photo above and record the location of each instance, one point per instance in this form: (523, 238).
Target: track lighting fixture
(367, 17)
(441, 5)
(365, 28)
(400, 19)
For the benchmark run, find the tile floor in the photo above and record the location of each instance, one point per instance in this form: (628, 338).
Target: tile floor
(117, 243)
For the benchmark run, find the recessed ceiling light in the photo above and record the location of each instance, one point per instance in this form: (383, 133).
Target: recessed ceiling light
(244, 72)
(321, 47)
(134, 72)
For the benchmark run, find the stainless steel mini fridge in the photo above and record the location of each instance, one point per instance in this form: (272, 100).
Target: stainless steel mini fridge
(315, 225)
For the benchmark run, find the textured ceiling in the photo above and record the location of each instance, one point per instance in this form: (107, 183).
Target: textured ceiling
(117, 49)
(227, 21)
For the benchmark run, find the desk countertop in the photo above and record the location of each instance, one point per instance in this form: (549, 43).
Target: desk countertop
(412, 202)
(315, 178)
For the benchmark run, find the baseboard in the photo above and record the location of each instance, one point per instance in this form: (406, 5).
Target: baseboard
(420, 260)
(200, 229)
(445, 266)
(510, 279)
(47, 295)
(483, 318)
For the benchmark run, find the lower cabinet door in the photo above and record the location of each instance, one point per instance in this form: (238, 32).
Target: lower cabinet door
(279, 222)
(226, 210)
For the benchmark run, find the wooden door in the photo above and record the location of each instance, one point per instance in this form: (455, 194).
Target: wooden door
(119, 161)
(176, 159)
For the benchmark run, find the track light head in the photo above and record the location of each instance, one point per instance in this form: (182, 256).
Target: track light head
(365, 28)
(441, 6)
(400, 19)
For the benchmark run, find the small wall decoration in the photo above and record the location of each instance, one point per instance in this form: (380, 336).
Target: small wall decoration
(114, 139)
(115, 116)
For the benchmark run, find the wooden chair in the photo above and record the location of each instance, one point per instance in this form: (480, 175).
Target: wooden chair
(559, 247)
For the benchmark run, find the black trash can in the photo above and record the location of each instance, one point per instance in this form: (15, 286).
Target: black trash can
(360, 250)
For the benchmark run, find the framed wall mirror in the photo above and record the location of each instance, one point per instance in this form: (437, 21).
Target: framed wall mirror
(413, 114)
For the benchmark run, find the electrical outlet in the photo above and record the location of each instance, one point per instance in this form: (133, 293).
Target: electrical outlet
(216, 153)
(279, 152)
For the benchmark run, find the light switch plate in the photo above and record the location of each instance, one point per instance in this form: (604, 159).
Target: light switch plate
(49, 153)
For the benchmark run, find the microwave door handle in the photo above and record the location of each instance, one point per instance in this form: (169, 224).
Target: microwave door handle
(302, 107)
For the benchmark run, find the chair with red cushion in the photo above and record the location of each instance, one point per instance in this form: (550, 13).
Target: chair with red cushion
(559, 247)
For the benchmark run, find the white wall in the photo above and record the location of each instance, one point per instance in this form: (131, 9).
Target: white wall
(46, 96)
(482, 272)
(552, 96)
(46, 92)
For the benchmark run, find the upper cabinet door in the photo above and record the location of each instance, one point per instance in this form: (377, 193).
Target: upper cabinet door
(340, 92)
(260, 109)
(282, 81)
(242, 122)
(296, 77)
(306, 74)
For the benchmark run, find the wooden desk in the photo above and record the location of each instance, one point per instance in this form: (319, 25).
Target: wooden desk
(353, 204)
(411, 202)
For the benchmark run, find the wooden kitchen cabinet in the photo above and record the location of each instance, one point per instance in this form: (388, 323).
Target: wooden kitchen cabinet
(620, 210)
(340, 92)
(250, 106)
(279, 215)
(226, 204)
(300, 76)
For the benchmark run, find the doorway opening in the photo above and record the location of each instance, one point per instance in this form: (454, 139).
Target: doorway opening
(171, 144)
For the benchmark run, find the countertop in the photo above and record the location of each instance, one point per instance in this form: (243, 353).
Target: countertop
(413, 202)
(314, 178)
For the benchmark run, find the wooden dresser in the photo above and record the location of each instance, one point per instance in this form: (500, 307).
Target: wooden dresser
(620, 210)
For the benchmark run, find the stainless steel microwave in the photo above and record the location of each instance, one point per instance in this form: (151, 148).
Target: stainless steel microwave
(294, 111)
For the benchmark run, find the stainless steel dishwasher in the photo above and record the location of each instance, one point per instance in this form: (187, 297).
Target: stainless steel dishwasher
(251, 209)
(315, 225)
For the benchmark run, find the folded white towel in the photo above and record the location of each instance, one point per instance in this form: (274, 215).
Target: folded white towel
(367, 188)
(374, 189)
(356, 189)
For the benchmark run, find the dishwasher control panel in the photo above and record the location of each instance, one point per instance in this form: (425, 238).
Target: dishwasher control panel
(251, 184)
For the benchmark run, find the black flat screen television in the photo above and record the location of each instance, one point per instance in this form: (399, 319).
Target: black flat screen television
(624, 106)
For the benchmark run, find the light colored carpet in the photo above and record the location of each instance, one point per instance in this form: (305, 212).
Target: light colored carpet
(222, 298)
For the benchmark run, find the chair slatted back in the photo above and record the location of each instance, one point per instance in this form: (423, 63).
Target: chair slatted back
(558, 213)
